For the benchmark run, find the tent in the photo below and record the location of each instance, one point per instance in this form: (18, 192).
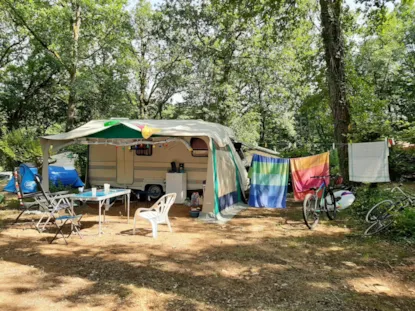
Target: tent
(65, 176)
(128, 153)
(28, 184)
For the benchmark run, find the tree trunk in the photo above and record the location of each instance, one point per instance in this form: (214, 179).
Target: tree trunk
(73, 70)
(142, 101)
(334, 55)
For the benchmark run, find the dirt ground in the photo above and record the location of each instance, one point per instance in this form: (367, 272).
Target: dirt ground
(262, 259)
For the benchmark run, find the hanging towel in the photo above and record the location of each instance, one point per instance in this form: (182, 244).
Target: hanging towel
(302, 169)
(269, 181)
(368, 162)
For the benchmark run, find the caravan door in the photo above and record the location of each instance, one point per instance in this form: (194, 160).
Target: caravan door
(125, 166)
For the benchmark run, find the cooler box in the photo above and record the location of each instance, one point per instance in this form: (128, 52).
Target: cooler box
(177, 183)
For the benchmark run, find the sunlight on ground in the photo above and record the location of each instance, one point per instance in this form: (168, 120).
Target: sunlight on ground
(379, 285)
(252, 262)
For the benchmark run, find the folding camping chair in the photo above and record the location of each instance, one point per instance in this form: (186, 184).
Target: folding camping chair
(40, 204)
(75, 221)
(53, 204)
(24, 206)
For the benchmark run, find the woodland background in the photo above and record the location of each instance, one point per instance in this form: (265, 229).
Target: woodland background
(277, 72)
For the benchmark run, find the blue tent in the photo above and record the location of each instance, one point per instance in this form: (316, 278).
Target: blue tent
(57, 176)
(28, 180)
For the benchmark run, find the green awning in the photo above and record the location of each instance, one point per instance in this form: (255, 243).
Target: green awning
(117, 131)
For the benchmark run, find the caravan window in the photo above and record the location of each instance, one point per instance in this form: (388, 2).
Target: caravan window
(144, 150)
(200, 149)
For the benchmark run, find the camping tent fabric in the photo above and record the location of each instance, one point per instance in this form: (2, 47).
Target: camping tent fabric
(219, 133)
(227, 178)
(269, 182)
(65, 176)
(57, 175)
(302, 169)
(28, 183)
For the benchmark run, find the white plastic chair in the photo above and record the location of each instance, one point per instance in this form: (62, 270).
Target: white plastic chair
(158, 213)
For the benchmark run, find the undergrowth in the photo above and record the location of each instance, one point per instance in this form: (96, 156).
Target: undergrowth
(368, 195)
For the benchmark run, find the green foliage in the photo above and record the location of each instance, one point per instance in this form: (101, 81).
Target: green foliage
(366, 197)
(402, 163)
(20, 146)
(59, 187)
(256, 66)
(247, 128)
(404, 225)
(81, 161)
(369, 195)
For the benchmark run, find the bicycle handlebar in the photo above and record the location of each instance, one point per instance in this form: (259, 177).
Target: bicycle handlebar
(321, 177)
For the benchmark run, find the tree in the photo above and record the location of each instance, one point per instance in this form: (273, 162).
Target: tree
(331, 31)
(74, 33)
(159, 69)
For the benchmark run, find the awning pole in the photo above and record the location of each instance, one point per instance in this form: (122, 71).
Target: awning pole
(45, 166)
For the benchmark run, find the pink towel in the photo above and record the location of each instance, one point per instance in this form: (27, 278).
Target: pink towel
(302, 169)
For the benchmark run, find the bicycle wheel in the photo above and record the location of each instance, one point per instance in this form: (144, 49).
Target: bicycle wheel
(378, 226)
(310, 212)
(378, 211)
(331, 209)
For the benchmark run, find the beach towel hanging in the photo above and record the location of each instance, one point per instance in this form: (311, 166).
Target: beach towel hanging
(302, 169)
(368, 162)
(269, 181)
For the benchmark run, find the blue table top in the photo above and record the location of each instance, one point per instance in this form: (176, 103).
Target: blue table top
(100, 193)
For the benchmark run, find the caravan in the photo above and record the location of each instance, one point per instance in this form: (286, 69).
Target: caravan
(158, 155)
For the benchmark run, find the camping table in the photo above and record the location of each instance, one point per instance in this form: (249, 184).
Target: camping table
(101, 197)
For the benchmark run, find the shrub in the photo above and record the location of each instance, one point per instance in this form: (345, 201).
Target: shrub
(405, 223)
(59, 187)
(366, 197)
(402, 163)
(81, 160)
(20, 146)
(369, 195)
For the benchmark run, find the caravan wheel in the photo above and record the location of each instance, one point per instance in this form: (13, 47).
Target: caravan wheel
(154, 191)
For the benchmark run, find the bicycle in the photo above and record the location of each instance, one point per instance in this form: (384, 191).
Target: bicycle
(381, 215)
(313, 205)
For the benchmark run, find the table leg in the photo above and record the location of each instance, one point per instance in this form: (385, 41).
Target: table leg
(72, 208)
(99, 221)
(73, 213)
(128, 208)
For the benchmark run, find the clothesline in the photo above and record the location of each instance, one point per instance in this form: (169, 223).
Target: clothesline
(289, 144)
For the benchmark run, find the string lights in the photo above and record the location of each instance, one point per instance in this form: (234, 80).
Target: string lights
(132, 143)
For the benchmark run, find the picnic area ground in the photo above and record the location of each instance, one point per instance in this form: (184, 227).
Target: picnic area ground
(263, 259)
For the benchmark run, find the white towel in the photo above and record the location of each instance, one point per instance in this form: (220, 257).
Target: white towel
(368, 162)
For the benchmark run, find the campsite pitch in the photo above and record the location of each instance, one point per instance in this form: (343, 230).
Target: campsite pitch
(261, 260)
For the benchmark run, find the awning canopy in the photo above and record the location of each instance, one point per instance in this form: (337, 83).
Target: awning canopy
(124, 128)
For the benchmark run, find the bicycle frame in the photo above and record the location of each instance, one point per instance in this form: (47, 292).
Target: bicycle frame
(322, 188)
(407, 196)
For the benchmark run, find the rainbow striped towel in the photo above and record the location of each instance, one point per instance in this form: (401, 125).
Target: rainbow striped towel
(269, 180)
(303, 168)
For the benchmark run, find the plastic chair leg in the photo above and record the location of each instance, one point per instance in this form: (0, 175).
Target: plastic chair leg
(168, 224)
(154, 227)
(135, 221)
